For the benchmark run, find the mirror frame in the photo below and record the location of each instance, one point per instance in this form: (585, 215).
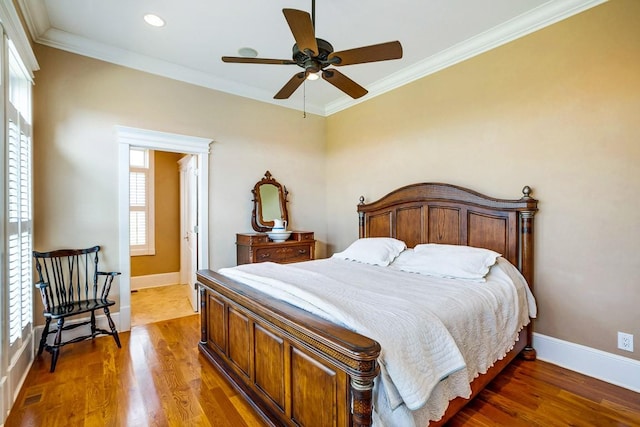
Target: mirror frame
(257, 221)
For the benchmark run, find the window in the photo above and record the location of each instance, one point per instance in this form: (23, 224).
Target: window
(17, 63)
(18, 203)
(141, 202)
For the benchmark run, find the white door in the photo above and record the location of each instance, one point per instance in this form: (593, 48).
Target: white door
(189, 225)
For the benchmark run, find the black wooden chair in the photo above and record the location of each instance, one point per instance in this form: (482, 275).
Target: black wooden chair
(71, 285)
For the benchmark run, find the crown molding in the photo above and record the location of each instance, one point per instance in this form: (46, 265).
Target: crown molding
(547, 14)
(534, 20)
(104, 52)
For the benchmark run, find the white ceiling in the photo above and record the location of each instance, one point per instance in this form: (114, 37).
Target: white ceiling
(434, 34)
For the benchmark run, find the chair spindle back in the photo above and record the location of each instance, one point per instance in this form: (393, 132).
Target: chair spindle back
(72, 275)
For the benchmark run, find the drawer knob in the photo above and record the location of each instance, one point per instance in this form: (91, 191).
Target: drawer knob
(302, 251)
(265, 255)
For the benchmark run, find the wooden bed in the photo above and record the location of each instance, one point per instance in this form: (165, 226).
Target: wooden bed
(295, 368)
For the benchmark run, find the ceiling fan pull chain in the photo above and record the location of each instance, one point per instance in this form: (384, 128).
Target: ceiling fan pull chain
(304, 99)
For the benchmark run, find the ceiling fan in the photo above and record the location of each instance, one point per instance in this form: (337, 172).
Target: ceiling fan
(315, 55)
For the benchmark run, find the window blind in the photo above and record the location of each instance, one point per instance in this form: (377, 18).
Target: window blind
(141, 209)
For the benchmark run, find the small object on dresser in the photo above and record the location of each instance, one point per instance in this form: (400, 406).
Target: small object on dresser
(279, 236)
(279, 225)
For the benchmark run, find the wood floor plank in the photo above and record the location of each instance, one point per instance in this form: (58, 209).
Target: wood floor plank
(158, 378)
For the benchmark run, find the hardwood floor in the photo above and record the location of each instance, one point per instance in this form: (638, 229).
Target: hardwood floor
(159, 378)
(152, 305)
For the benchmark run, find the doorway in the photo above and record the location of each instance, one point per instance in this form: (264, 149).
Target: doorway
(198, 151)
(162, 287)
(189, 226)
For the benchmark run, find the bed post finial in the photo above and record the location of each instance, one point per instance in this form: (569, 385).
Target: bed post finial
(526, 191)
(361, 219)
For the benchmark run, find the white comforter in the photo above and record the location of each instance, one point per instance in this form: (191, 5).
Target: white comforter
(415, 318)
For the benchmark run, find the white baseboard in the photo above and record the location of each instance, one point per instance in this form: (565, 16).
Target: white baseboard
(5, 401)
(155, 280)
(609, 367)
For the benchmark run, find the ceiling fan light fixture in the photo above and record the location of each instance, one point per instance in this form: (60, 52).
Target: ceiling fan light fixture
(313, 76)
(154, 20)
(247, 52)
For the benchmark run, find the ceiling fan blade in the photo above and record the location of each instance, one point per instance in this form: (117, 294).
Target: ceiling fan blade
(291, 86)
(302, 29)
(245, 60)
(344, 83)
(373, 53)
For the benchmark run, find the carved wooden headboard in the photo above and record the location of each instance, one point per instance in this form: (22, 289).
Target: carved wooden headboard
(448, 214)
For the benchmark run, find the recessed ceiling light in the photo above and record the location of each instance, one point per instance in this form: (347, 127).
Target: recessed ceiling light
(247, 52)
(154, 20)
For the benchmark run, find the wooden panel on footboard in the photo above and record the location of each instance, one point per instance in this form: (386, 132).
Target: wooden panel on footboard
(295, 369)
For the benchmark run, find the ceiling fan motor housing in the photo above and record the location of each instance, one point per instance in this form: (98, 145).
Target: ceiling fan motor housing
(313, 64)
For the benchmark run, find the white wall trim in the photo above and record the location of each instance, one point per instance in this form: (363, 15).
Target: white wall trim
(156, 140)
(163, 141)
(609, 367)
(155, 280)
(547, 14)
(11, 22)
(16, 374)
(527, 23)
(4, 400)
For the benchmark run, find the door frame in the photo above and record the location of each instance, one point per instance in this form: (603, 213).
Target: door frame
(154, 140)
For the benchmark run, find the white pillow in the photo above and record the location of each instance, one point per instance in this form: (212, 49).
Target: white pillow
(373, 250)
(452, 261)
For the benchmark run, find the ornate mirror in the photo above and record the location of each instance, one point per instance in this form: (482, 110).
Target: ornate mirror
(269, 203)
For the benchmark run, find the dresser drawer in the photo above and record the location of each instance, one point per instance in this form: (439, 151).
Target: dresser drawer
(302, 236)
(283, 254)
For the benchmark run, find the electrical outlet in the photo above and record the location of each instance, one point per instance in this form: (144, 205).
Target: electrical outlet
(625, 341)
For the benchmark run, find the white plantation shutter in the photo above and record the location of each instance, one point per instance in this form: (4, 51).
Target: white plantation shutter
(138, 211)
(19, 216)
(141, 209)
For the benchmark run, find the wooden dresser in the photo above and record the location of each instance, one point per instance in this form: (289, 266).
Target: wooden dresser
(256, 247)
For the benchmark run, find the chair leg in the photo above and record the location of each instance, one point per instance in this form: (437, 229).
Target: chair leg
(43, 338)
(112, 325)
(56, 345)
(93, 324)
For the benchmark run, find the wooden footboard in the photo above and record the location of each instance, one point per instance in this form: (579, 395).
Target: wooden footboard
(307, 372)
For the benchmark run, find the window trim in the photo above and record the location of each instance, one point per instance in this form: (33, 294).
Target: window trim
(17, 320)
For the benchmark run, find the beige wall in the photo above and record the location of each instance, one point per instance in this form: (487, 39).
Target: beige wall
(77, 103)
(557, 110)
(167, 219)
